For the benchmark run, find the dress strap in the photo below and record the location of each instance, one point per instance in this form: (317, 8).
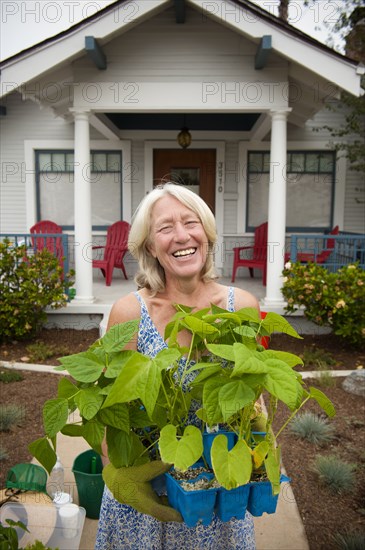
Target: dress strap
(230, 299)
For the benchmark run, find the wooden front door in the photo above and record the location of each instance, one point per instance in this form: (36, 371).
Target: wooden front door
(194, 168)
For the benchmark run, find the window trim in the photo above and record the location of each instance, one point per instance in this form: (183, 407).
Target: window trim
(331, 173)
(30, 146)
(339, 187)
(39, 152)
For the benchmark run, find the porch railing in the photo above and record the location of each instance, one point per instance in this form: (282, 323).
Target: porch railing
(347, 248)
(56, 242)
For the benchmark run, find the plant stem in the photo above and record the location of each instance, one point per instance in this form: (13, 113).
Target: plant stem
(292, 416)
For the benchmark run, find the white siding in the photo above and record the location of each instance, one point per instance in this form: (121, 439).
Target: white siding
(160, 50)
(24, 120)
(354, 219)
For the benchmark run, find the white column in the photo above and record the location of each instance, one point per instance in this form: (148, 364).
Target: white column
(82, 210)
(277, 211)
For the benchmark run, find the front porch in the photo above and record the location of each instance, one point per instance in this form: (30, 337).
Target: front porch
(95, 315)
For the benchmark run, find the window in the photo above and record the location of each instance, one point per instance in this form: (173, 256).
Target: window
(310, 189)
(55, 187)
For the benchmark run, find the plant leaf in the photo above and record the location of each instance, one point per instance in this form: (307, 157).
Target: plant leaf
(199, 327)
(118, 336)
(274, 322)
(181, 452)
(290, 359)
(84, 367)
(66, 388)
(232, 468)
(282, 383)
(222, 350)
(94, 434)
(139, 379)
(323, 401)
(89, 402)
(167, 357)
(55, 414)
(117, 416)
(211, 400)
(233, 396)
(117, 362)
(249, 314)
(272, 465)
(73, 430)
(43, 452)
(246, 331)
(259, 453)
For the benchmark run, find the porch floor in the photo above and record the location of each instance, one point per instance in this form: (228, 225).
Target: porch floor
(107, 295)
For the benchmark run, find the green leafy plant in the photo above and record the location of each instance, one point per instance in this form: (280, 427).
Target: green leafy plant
(9, 537)
(28, 285)
(337, 475)
(7, 376)
(142, 404)
(330, 299)
(312, 427)
(10, 415)
(313, 357)
(324, 376)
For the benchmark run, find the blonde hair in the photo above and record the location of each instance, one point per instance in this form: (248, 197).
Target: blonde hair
(150, 273)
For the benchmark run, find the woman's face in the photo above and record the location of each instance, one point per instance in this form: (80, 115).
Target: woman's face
(177, 238)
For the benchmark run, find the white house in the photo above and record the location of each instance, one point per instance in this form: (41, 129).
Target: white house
(120, 85)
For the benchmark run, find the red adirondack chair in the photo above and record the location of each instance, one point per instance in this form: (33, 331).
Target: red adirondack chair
(114, 250)
(53, 244)
(321, 257)
(258, 254)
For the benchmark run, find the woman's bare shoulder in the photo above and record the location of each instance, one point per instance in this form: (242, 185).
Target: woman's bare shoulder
(124, 309)
(242, 298)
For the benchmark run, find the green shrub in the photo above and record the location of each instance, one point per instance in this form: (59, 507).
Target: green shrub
(325, 377)
(313, 428)
(337, 475)
(10, 415)
(28, 284)
(315, 356)
(40, 351)
(8, 375)
(330, 299)
(9, 537)
(350, 540)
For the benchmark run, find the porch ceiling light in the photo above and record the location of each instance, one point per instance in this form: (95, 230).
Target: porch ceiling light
(184, 137)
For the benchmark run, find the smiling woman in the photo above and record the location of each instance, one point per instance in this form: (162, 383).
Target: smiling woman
(172, 236)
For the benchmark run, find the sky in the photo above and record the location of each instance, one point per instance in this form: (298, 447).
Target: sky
(27, 22)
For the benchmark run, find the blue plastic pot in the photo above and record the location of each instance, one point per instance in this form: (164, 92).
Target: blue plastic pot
(232, 503)
(208, 439)
(261, 499)
(194, 506)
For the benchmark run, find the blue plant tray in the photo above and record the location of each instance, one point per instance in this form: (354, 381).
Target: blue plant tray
(233, 503)
(261, 499)
(194, 506)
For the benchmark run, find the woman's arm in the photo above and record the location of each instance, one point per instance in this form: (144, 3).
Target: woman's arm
(125, 309)
(242, 298)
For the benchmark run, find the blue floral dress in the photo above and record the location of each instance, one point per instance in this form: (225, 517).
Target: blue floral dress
(121, 527)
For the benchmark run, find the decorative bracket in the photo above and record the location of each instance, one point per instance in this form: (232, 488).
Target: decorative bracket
(263, 52)
(95, 52)
(180, 11)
